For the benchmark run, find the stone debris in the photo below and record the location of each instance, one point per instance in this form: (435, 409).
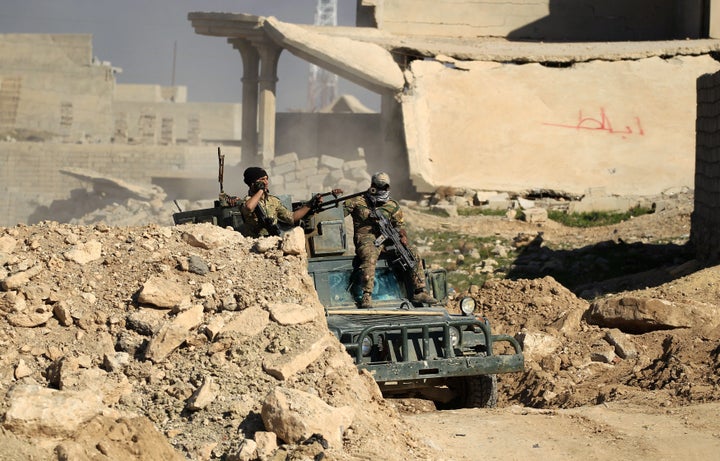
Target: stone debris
(194, 342)
(296, 415)
(123, 338)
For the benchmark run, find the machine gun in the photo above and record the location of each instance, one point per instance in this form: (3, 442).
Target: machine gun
(403, 257)
(267, 222)
(319, 207)
(226, 211)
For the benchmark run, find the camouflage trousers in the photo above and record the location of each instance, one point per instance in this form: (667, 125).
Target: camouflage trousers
(368, 255)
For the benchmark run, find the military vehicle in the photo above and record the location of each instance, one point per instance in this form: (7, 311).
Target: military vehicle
(409, 350)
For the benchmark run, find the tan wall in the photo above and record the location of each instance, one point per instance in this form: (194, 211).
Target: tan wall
(575, 20)
(45, 51)
(714, 19)
(50, 88)
(627, 126)
(209, 121)
(705, 234)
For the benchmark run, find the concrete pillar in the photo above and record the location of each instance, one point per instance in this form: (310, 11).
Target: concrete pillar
(393, 155)
(251, 65)
(269, 56)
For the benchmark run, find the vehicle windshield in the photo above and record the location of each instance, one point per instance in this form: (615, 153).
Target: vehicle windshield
(343, 291)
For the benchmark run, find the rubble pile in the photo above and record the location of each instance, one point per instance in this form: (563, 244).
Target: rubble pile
(175, 342)
(301, 178)
(194, 342)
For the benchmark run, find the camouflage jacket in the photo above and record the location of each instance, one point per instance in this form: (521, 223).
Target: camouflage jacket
(363, 223)
(273, 208)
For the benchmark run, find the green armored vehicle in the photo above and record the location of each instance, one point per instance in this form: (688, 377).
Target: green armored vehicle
(409, 350)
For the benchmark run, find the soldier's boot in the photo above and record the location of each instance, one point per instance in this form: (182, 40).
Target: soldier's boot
(423, 297)
(366, 301)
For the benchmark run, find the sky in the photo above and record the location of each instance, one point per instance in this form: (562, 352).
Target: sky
(152, 41)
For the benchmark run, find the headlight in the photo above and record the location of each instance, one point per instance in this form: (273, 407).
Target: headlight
(366, 346)
(467, 305)
(454, 336)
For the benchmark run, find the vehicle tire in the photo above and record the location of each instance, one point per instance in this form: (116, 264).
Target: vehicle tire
(472, 392)
(481, 391)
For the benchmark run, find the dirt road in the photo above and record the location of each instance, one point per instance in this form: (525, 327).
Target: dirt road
(608, 431)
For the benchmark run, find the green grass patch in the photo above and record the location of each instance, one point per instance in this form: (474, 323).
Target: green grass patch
(463, 256)
(479, 211)
(596, 218)
(463, 211)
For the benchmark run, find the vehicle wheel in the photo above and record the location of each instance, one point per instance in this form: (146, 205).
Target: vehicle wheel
(481, 391)
(473, 392)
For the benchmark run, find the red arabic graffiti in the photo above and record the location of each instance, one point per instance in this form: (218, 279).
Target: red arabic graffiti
(601, 124)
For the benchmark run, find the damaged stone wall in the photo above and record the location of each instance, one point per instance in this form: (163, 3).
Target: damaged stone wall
(301, 178)
(705, 234)
(190, 122)
(624, 125)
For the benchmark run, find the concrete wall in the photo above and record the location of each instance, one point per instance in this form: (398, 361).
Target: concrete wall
(573, 20)
(50, 88)
(169, 122)
(625, 126)
(155, 114)
(705, 234)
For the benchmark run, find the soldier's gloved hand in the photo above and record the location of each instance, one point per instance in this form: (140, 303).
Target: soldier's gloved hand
(403, 237)
(256, 186)
(232, 200)
(336, 192)
(315, 202)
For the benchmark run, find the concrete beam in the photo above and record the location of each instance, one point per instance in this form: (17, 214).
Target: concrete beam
(231, 25)
(366, 64)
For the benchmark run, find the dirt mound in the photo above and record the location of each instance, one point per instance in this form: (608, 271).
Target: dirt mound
(570, 362)
(183, 329)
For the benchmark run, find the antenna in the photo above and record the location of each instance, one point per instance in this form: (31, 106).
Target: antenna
(322, 85)
(172, 82)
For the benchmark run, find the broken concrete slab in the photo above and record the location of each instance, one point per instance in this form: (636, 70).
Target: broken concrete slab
(620, 135)
(113, 185)
(372, 67)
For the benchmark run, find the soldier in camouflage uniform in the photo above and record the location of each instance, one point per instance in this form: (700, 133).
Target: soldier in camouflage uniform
(366, 233)
(270, 206)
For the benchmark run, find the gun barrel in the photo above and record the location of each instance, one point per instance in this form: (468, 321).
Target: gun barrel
(221, 169)
(330, 203)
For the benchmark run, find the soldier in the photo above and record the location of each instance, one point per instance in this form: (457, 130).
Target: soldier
(262, 212)
(366, 233)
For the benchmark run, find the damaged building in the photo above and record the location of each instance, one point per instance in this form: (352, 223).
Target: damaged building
(560, 96)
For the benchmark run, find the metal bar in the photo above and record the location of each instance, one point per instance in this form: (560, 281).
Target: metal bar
(405, 345)
(447, 344)
(426, 342)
